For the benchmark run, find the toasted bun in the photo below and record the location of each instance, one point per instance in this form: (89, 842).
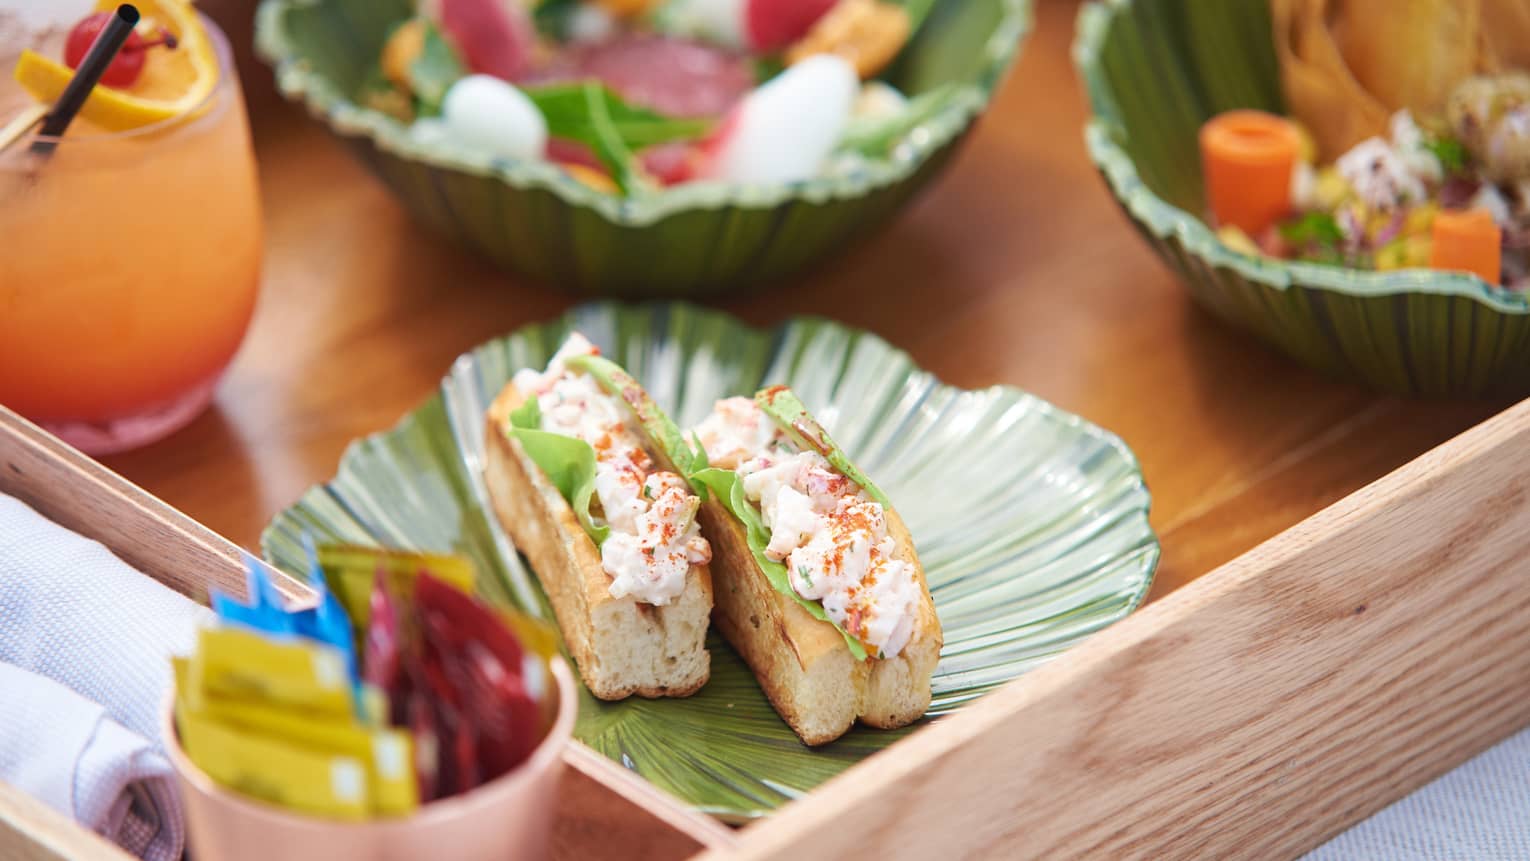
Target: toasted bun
(621, 646)
(803, 664)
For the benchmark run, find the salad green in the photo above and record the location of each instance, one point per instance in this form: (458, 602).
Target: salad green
(659, 426)
(568, 462)
(434, 71)
(875, 136)
(591, 113)
(784, 408)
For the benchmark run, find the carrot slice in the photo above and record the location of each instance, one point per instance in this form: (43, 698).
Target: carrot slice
(1247, 158)
(1467, 241)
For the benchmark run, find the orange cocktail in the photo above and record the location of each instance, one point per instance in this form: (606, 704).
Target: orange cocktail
(130, 270)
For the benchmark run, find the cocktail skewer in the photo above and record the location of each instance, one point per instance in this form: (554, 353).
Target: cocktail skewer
(29, 118)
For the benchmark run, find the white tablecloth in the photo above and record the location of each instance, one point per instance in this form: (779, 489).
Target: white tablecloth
(1478, 812)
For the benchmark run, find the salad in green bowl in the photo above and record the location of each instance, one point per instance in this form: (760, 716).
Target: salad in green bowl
(647, 146)
(630, 96)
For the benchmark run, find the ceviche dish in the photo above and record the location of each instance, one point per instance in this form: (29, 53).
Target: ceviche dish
(1415, 156)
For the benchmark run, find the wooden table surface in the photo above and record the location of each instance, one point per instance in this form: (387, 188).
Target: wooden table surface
(1016, 268)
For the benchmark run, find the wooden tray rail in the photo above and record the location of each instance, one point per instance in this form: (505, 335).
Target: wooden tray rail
(1253, 713)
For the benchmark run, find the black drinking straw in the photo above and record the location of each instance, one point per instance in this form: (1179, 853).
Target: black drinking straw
(97, 59)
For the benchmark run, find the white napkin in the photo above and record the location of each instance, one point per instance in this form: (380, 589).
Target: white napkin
(72, 612)
(66, 752)
(1480, 811)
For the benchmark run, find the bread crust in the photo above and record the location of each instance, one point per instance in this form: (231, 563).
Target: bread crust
(620, 645)
(802, 663)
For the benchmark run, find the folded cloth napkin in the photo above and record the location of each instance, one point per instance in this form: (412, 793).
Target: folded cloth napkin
(86, 642)
(68, 753)
(73, 612)
(1480, 811)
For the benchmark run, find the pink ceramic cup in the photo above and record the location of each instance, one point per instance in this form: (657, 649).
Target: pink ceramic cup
(507, 819)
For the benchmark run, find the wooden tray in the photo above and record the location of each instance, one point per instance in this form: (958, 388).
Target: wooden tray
(1255, 712)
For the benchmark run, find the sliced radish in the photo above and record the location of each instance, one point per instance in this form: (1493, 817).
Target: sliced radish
(565, 151)
(670, 163)
(759, 25)
(785, 130)
(774, 24)
(495, 37)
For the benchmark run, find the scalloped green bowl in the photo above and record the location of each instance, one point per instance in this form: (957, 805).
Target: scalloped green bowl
(1155, 70)
(693, 240)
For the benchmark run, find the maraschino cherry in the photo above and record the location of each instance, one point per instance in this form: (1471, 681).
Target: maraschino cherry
(128, 65)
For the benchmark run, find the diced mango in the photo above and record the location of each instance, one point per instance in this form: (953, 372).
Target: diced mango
(1420, 220)
(403, 47)
(1330, 189)
(1237, 240)
(1406, 252)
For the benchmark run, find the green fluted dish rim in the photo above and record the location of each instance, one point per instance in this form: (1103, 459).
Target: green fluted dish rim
(1031, 523)
(327, 101)
(1164, 220)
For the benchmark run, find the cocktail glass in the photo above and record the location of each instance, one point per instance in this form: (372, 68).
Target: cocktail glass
(129, 271)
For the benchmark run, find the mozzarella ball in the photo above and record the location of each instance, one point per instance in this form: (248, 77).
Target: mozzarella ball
(488, 114)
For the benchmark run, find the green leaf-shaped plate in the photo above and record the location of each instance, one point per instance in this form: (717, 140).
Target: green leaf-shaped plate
(1031, 523)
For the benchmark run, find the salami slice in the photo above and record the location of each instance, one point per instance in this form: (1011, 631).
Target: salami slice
(674, 77)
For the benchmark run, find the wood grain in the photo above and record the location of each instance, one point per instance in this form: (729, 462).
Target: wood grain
(600, 805)
(1015, 268)
(1252, 714)
(32, 831)
(81, 495)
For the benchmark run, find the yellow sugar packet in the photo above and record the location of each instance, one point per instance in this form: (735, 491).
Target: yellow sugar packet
(276, 771)
(352, 571)
(243, 665)
(385, 752)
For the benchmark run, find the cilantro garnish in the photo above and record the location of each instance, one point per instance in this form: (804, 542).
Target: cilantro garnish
(1313, 228)
(1319, 239)
(1451, 153)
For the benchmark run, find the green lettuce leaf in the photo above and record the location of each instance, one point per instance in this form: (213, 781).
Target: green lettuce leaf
(659, 426)
(1453, 154)
(729, 490)
(553, 18)
(789, 414)
(568, 462)
(434, 71)
(875, 137)
(917, 11)
(592, 114)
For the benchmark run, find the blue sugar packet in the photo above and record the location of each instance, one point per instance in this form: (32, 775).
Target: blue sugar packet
(326, 622)
(265, 613)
